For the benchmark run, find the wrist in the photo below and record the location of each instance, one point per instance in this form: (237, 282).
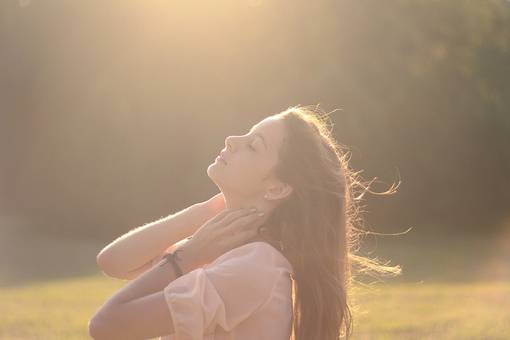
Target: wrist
(185, 259)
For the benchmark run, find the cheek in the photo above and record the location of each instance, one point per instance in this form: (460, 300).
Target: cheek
(244, 172)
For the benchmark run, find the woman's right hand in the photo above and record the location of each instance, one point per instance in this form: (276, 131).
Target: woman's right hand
(225, 231)
(201, 212)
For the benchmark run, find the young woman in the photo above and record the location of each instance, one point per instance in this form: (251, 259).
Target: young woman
(283, 274)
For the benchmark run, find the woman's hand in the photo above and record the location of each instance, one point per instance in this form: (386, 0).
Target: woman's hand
(227, 230)
(202, 212)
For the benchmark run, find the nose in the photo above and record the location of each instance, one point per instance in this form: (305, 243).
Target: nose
(228, 143)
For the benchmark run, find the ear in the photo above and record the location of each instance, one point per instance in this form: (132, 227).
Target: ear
(278, 191)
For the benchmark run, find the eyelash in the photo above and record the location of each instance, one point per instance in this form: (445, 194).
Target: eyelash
(251, 147)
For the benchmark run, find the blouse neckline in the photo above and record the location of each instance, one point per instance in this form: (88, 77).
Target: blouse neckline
(279, 254)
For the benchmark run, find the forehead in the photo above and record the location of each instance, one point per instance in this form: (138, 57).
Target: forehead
(272, 130)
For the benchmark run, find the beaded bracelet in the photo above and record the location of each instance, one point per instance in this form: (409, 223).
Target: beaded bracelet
(172, 257)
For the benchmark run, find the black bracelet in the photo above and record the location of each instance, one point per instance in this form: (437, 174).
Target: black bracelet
(171, 257)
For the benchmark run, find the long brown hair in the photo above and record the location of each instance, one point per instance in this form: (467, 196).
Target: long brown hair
(317, 225)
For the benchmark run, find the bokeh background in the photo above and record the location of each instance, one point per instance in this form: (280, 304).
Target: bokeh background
(111, 112)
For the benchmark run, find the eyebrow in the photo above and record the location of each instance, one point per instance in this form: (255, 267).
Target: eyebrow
(261, 137)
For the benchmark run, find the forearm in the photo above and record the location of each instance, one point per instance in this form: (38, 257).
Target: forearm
(109, 322)
(157, 277)
(142, 244)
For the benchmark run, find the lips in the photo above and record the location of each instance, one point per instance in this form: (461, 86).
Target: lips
(221, 159)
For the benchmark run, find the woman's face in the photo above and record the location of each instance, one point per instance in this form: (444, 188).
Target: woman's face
(249, 159)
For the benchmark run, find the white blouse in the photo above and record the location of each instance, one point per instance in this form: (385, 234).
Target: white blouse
(245, 294)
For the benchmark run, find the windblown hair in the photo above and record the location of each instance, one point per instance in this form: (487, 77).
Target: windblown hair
(316, 225)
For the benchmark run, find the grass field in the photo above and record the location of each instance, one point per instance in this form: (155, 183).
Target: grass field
(434, 311)
(60, 309)
(443, 293)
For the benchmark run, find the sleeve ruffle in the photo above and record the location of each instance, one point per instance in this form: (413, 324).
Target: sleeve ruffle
(221, 295)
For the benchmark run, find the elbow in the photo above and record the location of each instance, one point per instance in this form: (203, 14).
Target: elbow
(98, 329)
(103, 327)
(111, 271)
(104, 262)
(94, 328)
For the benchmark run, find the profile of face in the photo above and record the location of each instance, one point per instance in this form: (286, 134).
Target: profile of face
(246, 172)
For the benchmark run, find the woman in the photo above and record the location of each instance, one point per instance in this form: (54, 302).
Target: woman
(281, 274)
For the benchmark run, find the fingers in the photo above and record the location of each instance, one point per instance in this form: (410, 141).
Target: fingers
(242, 236)
(234, 215)
(221, 215)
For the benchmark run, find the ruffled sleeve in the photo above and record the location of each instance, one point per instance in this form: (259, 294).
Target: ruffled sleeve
(223, 293)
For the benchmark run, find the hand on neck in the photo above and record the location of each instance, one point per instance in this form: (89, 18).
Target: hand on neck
(262, 203)
(234, 202)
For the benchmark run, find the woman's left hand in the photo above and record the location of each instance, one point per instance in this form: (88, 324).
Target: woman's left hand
(225, 231)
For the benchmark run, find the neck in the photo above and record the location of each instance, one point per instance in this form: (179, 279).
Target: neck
(239, 202)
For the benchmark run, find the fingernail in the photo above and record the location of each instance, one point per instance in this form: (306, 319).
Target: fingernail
(260, 213)
(253, 209)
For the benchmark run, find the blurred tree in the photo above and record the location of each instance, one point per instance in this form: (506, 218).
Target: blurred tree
(111, 112)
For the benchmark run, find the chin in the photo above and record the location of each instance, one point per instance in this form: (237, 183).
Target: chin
(213, 172)
(216, 173)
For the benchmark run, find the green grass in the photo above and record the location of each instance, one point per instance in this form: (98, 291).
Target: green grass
(450, 288)
(60, 309)
(478, 310)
